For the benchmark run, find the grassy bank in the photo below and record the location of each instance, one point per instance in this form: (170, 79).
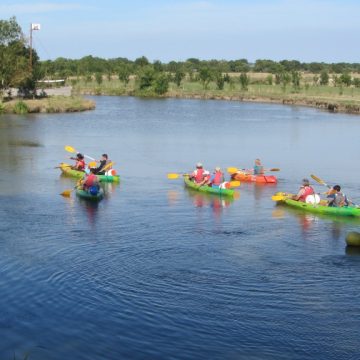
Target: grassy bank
(335, 99)
(55, 104)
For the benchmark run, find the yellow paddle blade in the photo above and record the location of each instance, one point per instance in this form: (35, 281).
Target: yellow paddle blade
(317, 179)
(279, 198)
(232, 170)
(70, 149)
(234, 183)
(274, 169)
(107, 166)
(92, 164)
(173, 176)
(66, 193)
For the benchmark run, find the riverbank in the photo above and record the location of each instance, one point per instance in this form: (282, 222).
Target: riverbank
(53, 104)
(329, 98)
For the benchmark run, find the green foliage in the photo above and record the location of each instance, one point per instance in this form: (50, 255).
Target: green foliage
(146, 77)
(356, 82)
(269, 79)
(244, 81)
(324, 78)
(345, 79)
(142, 61)
(2, 108)
(205, 76)
(179, 76)
(124, 73)
(295, 79)
(98, 78)
(10, 31)
(20, 108)
(14, 59)
(220, 80)
(161, 84)
(285, 79)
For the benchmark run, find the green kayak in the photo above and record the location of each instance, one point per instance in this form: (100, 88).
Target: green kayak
(67, 170)
(208, 189)
(282, 198)
(87, 196)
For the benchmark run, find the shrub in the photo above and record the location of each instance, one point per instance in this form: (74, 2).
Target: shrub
(21, 108)
(2, 108)
(161, 84)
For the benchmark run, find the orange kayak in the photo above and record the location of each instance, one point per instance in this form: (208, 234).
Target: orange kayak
(262, 179)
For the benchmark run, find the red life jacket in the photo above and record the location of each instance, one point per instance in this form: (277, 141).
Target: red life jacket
(80, 165)
(308, 191)
(199, 177)
(218, 178)
(90, 180)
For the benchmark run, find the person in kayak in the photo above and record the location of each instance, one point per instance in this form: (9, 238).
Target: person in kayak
(91, 183)
(200, 176)
(258, 168)
(304, 191)
(336, 198)
(217, 178)
(103, 162)
(79, 162)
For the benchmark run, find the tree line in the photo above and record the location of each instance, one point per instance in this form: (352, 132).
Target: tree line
(17, 72)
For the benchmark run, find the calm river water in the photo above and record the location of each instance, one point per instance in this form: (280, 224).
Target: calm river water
(158, 272)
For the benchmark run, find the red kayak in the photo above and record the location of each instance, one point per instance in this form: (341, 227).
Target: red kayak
(260, 179)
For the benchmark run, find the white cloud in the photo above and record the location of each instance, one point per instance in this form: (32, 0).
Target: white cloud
(14, 9)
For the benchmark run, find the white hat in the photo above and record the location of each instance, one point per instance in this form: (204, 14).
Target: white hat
(217, 168)
(199, 165)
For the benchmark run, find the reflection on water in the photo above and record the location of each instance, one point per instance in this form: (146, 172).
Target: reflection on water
(202, 200)
(154, 265)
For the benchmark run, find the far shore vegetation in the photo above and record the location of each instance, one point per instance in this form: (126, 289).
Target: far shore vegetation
(334, 87)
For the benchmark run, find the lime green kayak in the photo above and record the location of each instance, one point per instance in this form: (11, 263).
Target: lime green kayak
(320, 209)
(87, 196)
(208, 189)
(67, 170)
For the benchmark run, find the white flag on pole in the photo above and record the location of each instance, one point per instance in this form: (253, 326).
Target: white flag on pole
(35, 26)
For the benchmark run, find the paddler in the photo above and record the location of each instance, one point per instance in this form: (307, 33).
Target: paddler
(103, 162)
(336, 198)
(258, 168)
(304, 191)
(217, 178)
(79, 162)
(90, 182)
(200, 176)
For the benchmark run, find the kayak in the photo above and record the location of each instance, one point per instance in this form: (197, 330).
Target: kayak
(260, 179)
(207, 189)
(67, 170)
(317, 208)
(83, 194)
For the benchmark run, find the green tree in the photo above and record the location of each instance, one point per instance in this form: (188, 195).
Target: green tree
(205, 76)
(356, 82)
(124, 73)
(324, 78)
(295, 79)
(146, 77)
(345, 79)
(14, 59)
(269, 79)
(244, 81)
(179, 76)
(98, 78)
(285, 79)
(220, 80)
(161, 84)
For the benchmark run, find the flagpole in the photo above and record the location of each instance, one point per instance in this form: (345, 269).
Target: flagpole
(30, 60)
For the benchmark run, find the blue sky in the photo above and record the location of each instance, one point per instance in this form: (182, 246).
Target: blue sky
(306, 30)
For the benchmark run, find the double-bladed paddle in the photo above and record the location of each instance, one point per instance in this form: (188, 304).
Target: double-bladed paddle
(232, 170)
(70, 149)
